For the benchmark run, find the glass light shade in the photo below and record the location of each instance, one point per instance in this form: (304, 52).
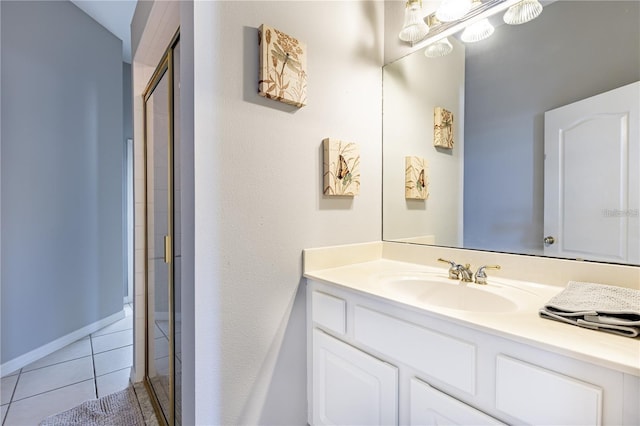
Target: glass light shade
(414, 28)
(452, 10)
(439, 48)
(522, 12)
(478, 31)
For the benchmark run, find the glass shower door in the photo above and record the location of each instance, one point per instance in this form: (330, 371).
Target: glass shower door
(159, 265)
(177, 243)
(163, 237)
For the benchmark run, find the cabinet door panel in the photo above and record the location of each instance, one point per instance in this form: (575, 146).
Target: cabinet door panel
(329, 311)
(539, 396)
(351, 387)
(429, 406)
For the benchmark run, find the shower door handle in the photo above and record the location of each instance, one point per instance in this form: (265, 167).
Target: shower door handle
(167, 249)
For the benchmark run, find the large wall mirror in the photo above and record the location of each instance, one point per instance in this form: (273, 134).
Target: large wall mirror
(538, 166)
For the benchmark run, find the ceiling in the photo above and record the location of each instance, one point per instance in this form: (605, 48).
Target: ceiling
(115, 16)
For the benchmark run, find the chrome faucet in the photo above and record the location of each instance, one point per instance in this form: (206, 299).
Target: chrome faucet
(466, 275)
(459, 272)
(481, 276)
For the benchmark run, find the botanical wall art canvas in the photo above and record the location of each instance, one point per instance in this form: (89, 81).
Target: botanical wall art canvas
(442, 128)
(283, 67)
(341, 168)
(415, 178)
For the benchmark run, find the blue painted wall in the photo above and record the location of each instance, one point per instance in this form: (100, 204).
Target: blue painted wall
(62, 171)
(573, 50)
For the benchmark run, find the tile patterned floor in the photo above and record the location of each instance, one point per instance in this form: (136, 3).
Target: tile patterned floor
(92, 367)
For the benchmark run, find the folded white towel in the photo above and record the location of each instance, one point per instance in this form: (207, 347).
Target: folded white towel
(597, 306)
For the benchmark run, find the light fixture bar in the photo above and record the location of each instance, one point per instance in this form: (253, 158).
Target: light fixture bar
(414, 28)
(439, 30)
(522, 12)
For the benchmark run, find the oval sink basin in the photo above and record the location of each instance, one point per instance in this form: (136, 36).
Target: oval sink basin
(438, 290)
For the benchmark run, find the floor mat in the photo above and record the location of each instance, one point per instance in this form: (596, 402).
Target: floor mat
(117, 409)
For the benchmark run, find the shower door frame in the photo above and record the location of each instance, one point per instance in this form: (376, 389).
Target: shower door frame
(164, 68)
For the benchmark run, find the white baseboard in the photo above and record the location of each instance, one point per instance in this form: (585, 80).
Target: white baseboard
(134, 376)
(34, 355)
(127, 299)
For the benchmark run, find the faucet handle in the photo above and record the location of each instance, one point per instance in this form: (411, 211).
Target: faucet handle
(481, 275)
(452, 263)
(454, 270)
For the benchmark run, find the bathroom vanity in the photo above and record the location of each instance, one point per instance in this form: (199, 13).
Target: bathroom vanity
(393, 342)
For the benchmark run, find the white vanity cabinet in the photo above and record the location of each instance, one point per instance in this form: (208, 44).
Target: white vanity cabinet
(350, 386)
(429, 406)
(375, 361)
(547, 397)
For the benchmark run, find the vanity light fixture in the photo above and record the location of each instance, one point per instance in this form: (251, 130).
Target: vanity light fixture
(414, 28)
(438, 49)
(522, 12)
(452, 10)
(477, 31)
(474, 21)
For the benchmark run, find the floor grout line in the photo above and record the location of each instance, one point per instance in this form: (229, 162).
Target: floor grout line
(93, 364)
(113, 349)
(55, 363)
(21, 371)
(111, 332)
(15, 388)
(13, 393)
(115, 371)
(49, 390)
(115, 331)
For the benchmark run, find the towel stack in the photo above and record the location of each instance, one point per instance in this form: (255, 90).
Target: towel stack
(598, 307)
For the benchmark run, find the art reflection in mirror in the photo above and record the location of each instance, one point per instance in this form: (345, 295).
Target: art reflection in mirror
(415, 178)
(500, 188)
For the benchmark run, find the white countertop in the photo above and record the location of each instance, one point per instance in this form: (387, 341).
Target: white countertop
(522, 324)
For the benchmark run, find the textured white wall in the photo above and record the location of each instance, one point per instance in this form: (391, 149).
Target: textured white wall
(258, 199)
